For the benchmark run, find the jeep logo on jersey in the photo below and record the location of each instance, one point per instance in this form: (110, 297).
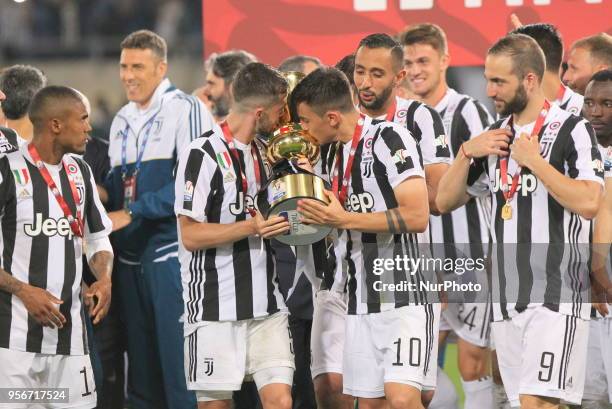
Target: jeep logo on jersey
(360, 202)
(48, 227)
(527, 183)
(242, 205)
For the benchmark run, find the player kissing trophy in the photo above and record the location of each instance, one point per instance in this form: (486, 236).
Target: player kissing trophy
(288, 182)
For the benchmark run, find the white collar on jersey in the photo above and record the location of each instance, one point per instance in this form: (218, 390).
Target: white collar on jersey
(440, 106)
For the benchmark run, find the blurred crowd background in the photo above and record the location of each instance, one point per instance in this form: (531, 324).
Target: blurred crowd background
(77, 42)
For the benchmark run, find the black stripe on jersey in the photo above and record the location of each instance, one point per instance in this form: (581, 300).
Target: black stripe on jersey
(429, 318)
(241, 258)
(575, 261)
(351, 279)
(8, 213)
(556, 234)
(37, 275)
(93, 217)
(449, 236)
(414, 128)
(195, 278)
(442, 151)
(64, 333)
(570, 154)
(262, 168)
(192, 172)
(482, 114)
(568, 344)
(564, 350)
(271, 278)
(460, 131)
(10, 142)
(370, 247)
(83, 327)
(498, 224)
(395, 144)
(524, 206)
(411, 123)
(214, 203)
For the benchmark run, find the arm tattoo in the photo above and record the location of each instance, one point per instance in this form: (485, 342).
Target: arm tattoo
(396, 222)
(9, 283)
(390, 221)
(101, 264)
(400, 221)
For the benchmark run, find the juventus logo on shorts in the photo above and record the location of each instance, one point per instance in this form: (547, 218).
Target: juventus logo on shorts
(210, 366)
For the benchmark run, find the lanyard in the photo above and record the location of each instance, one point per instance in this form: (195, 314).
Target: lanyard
(229, 138)
(503, 162)
(124, 134)
(341, 194)
(75, 224)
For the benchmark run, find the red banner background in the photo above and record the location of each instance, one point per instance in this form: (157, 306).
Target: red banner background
(330, 29)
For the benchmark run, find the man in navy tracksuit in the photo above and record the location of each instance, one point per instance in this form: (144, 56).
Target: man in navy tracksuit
(145, 139)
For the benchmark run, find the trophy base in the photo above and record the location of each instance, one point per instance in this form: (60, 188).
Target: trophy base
(283, 194)
(299, 234)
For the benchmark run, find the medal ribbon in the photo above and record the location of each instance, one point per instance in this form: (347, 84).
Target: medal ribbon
(341, 194)
(503, 162)
(229, 138)
(76, 224)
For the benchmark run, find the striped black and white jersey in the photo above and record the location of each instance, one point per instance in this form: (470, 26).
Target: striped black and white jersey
(231, 282)
(571, 101)
(386, 156)
(425, 126)
(9, 140)
(606, 157)
(468, 226)
(540, 255)
(38, 248)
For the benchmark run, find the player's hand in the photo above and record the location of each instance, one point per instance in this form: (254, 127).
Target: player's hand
(516, 23)
(491, 142)
(315, 212)
(98, 299)
(302, 162)
(525, 150)
(41, 305)
(274, 226)
(120, 219)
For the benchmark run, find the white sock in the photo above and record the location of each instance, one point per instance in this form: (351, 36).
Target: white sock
(479, 393)
(445, 396)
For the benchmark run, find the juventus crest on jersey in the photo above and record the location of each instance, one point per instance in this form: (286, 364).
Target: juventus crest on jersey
(38, 247)
(235, 281)
(540, 254)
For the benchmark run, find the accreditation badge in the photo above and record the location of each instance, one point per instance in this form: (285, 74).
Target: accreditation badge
(129, 191)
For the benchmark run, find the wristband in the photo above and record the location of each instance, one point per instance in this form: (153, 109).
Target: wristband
(464, 152)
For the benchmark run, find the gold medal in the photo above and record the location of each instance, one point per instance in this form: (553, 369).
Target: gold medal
(506, 212)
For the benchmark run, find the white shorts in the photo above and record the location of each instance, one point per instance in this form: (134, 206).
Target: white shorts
(598, 385)
(470, 321)
(220, 355)
(542, 353)
(327, 334)
(398, 346)
(20, 369)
